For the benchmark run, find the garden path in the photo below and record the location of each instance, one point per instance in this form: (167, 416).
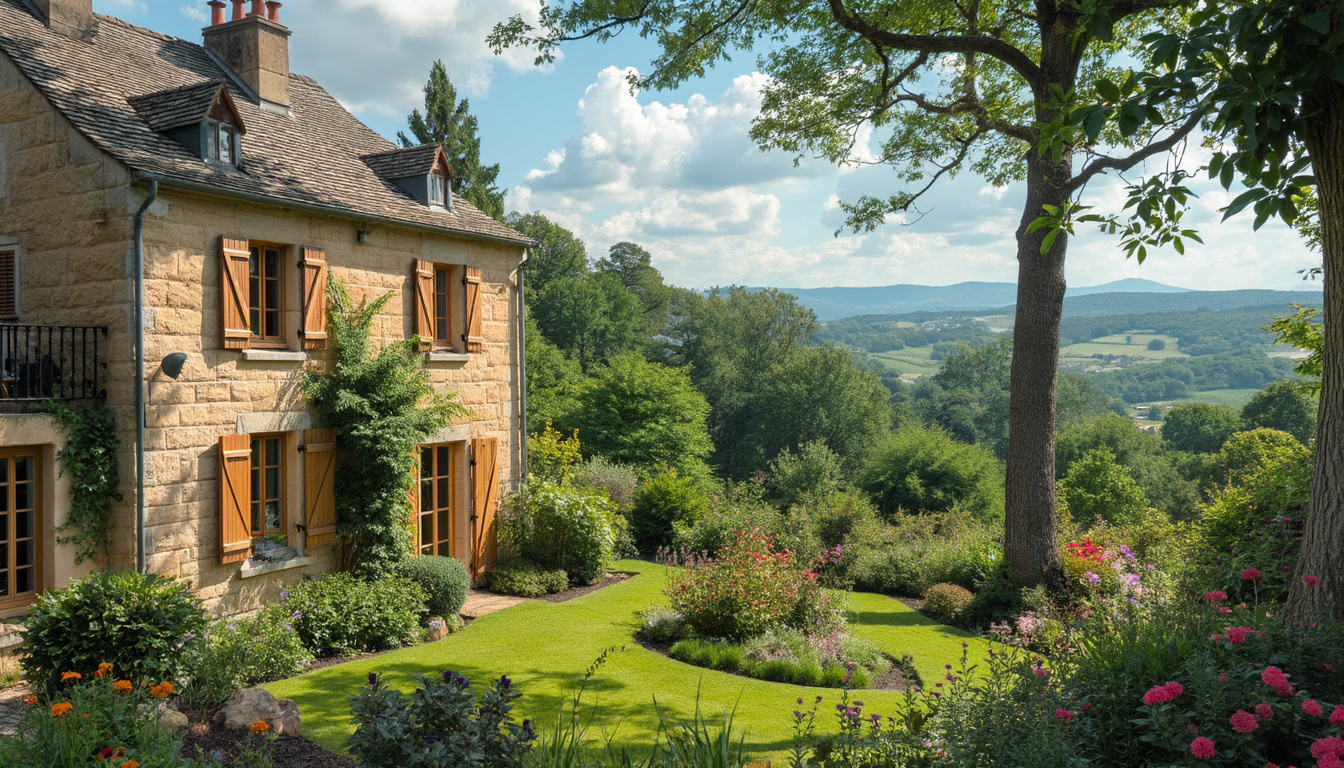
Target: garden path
(11, 709)
(479, 604)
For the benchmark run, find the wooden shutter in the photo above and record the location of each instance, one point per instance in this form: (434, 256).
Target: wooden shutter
(233, 297)
(474, 338)
(9, 285)
(422, 278)
(319, 473)
(313, 264)
(235, 498)
(484, 503)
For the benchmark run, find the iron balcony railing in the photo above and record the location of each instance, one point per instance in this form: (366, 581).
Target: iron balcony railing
(62, 362)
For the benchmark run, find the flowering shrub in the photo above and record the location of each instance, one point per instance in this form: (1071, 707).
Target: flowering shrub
(1108, 573)
(560, 527)
(748, 589)
(99, 717)
(946, 602)
(242, 653)
(441, 725)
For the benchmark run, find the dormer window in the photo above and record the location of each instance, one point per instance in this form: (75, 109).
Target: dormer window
(220, 141)
(438, 190)
(421, 172)
(203, 118)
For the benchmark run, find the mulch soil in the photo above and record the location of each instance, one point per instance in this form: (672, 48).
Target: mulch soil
(608, 578)
(288, 751)
(893, 680)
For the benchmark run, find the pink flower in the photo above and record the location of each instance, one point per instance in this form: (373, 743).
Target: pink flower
(1310, 580)
(1222, 609)
(1274, 677)
(1237, 635)
(1064, 714)
(1263, 711)
(1161, 693)
(1250, 573)
(1328, 760)
(1215, 596)
(1244, 722)
(1311, 707)
(1174, 688)
(1202, 748)
(1338, 715)
(1041, 672)
(1332, 745)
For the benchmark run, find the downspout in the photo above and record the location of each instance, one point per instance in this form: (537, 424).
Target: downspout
(522, 371)
(140, 545)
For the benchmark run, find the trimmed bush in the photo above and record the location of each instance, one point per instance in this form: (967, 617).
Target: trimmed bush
(661, 625)
(922, 469)
(138, 623)
(946, 602)
(523, 578)
(444, 580)
(340, 614)
(560, 528)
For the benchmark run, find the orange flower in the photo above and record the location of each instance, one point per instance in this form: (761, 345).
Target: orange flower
(30, 701)
(261, 726)
(122, 686)
(104, 669)
(130, 764)
(60, 708)
(67, 676)
(162, 691)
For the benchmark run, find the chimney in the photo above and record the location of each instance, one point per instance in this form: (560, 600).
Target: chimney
(72, 18)
(254, 45)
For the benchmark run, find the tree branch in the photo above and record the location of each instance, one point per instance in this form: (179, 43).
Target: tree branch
(1103, 164)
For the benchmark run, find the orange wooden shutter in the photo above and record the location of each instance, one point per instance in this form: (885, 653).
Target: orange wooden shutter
(233, 296)
(235, 498)
(474, 338)
(484, 503)
(9, 286)
(423, 278)
(314, 266)
(319, 473)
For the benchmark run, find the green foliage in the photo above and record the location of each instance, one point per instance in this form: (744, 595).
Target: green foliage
(977, 379)
(1237, 368)
(591, 318)
(558, 254)
(340, 614)
(440, 725)
(634, 265)
(1096, 487)
(737, 507)
(1200, 427)
(665, 500)
(551, 456)
(449, 122)
(553, 380)
(947, 602)
(1157, 345)
(560, 527)
(917, 552)
(444, 580)
(1301, 330)
(91, 717)
(776, 665)
(89, 459)
(1155, 468)
(1282, 406)
(661, 625)
(922, 469)
(138, 623)
(1245, 453)
(524, 578)
(382, 405)
(241, 653)
(617, 480)
(643, 414)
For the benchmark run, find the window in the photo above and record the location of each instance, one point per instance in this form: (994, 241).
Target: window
(438, 189)
(437, 499)
(220, 142)
(19, 526)
(443, 303)
(9, 284)
(268, 487)
(266, 310)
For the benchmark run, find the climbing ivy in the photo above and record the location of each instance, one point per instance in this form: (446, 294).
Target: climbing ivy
(89, 459)
(382, 405)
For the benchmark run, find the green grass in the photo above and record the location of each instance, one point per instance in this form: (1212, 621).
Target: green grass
(911, 361)
(1115, 345)
(546, 648)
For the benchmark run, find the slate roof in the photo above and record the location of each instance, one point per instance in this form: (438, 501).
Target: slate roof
(177, 107)
(311, 156)
(403, 163)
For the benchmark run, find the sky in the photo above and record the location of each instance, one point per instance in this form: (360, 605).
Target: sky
(676, 171)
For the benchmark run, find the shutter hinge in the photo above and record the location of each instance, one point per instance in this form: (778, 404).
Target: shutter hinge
(303, 448)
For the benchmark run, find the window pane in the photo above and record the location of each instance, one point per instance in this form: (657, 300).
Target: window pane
(4, 546)
(23, 525)
(273, 516)
(426, 530)
(441, 329)
(272, 451)
(272, 262)
(445, 523)
(256, 513)
(4, 471)
(272, 323)
(4, 500)
(23, 554)
(23, 496)
(211, 141)
(253, 262)
(440, 304)
(426, 462)
(443, 461)
(23, 581)
(225, 144)
(23, 469)
(445, 549)
(441, 280)
(273, 483)
(254, 321)
(4, 583)
(426, 495)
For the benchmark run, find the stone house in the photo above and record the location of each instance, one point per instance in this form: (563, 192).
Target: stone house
(220, 188)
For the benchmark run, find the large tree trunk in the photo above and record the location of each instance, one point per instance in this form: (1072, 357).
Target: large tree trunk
(1322, 554)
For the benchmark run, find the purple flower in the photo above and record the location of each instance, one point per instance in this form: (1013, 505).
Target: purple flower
(504, 682)
(1092, 577)
(858, 704)
(373, 679)
(284, 594)
(1133, 579)
(1127, 552)
(296, 615)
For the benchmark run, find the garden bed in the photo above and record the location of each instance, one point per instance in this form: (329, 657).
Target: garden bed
(288, 751)
(608, 578)
(896, 678)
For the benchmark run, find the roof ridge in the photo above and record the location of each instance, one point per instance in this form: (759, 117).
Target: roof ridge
(142, 30)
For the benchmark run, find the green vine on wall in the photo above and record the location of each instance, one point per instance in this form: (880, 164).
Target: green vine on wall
(382, 405)
(89, 459)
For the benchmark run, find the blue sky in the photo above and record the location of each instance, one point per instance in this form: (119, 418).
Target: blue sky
(676, 171)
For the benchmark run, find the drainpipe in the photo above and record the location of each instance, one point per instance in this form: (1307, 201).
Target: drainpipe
(522, 372)
(140, 545)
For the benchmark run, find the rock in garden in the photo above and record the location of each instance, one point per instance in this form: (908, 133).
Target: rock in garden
(253, 704)
(436, 630)
(172, 721)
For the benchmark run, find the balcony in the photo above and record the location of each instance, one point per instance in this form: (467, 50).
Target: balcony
(41, 362)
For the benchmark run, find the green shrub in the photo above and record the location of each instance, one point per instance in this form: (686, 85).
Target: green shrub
(922, 469)
(665, 499)
(341, 614)
(1245, 452)
(138, 623)
(242, 653)
(739, 507)
(618, 480)
(1200, 427)
(815, 472)
(919, 551)
(946, 602)
(661, 625)
(560, 528)
(523, 578)
(551, 456)
(444, 580)
(1097, 487)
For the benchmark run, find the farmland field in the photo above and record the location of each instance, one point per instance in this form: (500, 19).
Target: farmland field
(1116, 345)
(911, 361)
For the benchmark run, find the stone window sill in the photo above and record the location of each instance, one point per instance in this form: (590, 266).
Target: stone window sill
(251, 568)
(274, 356)
(448, 357)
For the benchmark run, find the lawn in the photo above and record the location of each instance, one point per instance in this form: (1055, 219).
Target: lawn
(1137, 346)
(911, 361)
(546, 648)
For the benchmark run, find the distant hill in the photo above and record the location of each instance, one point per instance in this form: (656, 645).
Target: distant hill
(834, 303)
(1105, 304)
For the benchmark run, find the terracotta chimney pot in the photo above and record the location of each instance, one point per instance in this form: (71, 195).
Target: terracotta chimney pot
(258, 8)
(238, 9)
(273, 11)
(216, 12)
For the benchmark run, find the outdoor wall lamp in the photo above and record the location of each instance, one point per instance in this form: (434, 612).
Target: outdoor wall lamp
(362, 235)
(172, 364)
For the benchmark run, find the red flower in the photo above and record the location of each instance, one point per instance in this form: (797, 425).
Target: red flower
(1310, 580)
(1203, 748)
(1064, 714)
(1332, 745)
(1237, 635)
(1338, 715)
(1263, 711)
(1250, 573)
(1274, 677)
(1311, 707)
(1215, 596)
(1244, 722)
(1162, 693)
